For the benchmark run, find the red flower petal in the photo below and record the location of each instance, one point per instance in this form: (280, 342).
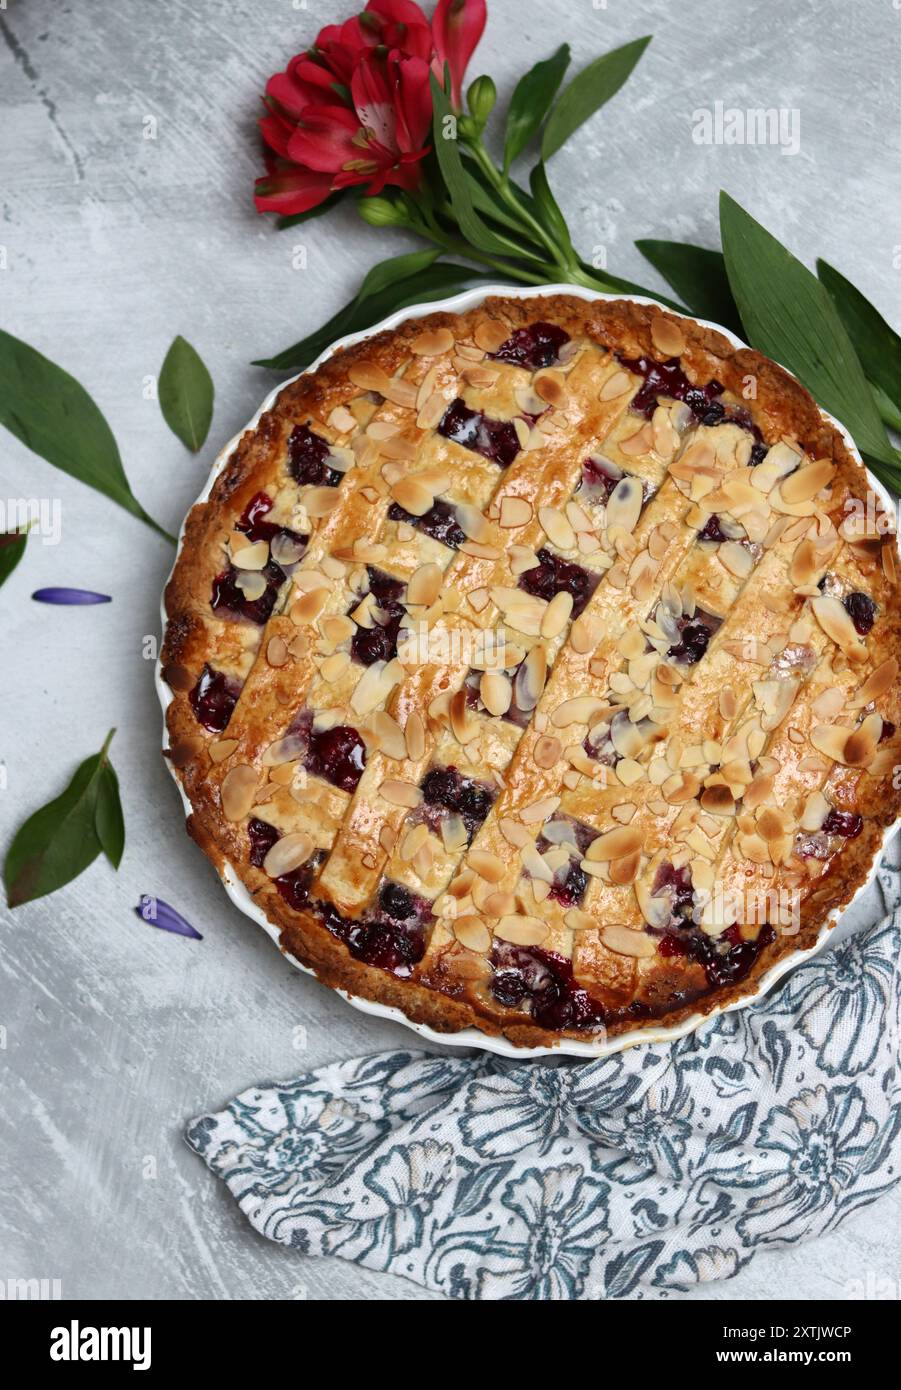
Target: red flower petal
(457, 26)
(292, 190)
(324, 141)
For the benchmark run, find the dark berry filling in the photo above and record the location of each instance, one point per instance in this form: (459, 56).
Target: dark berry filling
(439, 522)
(758, 454)
(256, 528)
(546, 980)
(722, 967)
(712, 531)
(213, 699)
(228, 596)
(600, 477)
(533, 347)
(676, 885)
(338, 755)
(384, 938)
(570, 880)
(379, 642)
(449, 789)
(861, 610)
(847, 824)
(888, 731)
(553, 574)
(694, 637)
(495, 440)
(294, 887)
(307, 455)
(668, 379)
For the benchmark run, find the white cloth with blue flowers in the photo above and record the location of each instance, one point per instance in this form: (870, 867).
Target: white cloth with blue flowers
(635, 1176)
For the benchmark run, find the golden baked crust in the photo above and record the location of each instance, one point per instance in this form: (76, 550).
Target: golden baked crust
(694, 763)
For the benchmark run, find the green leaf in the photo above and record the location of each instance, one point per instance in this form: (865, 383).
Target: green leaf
(109, 824)
(12, 548)
(699, 278)
(59, 841)
(549, 212)
(458, 182)
(383, 291)
(588, 91)
(789, 316)
(531, 101)
(877, 344)
(186, 394)
(54, 416)
(615, 284)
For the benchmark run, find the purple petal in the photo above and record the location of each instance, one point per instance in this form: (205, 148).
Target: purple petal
(69, 596)
(159, 914)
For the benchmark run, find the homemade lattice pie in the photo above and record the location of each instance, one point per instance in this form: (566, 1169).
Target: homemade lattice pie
(536, 668)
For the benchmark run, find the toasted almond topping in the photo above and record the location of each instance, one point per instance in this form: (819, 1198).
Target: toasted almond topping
(375, 685)
(736, 558)
(577, 920)
(835, 621)
(251, 583)
(547, 751)
(413, 842)
(490, 334)
(486, 865)
(464, 728)
(514, 833)
(413, 495)
(425, 584)
(667, 336)
(877, 684)
(400, 793)
(806, 482)
(433, 343)
(472, 933)
(251, 557)
(522, 930)
(626, 941)
(816, 809)
(334, 666)
(514, 512)
(308, 607)
(718, 800)
(585, 633)
(557, 528)
(530, 678)
(222, 748)
(616, 385)
(615, 844)
(495, 692)
(641, 441)
(414, 732)
(287, 854)
(473, 522)
(277, 651)
(481, 552)
(583, 709)
(369, 377)
(728, 704)
(321, 501)
(539, 810)
(550, 385)
(624, 506)
(238, 792)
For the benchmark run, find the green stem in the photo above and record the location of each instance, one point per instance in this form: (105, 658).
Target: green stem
(511, 200)
(108, 740)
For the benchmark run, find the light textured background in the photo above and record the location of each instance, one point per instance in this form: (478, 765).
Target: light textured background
(115, 1034)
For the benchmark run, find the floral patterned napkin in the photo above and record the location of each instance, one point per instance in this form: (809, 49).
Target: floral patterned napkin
(634, 1176)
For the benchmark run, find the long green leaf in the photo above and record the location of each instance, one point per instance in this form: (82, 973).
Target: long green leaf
(12, 548)
(549, 211)
(878, 345)
(587, 93)
(531, 101)
(59, 841)
(47, 409)
(398, 292)
(458, 182)
(699, 278)
(789, 316)
(186, 394)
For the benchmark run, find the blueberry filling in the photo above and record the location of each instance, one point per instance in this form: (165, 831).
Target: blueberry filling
(294, 887)
(861, 610)
(392, 937)
(694, 637)
(379, 642)
(448, 789)
(533, 347)
(847, 824)
(676, 885)
(570, 880)
(213, 699)
(228, 596)
(713, 531)
(546, 981)
(668, 379)
(552, 575)
(439, 522)
(495, 440)
(307, 455)
(722, 967)
(256, 528)
(338, 755)
(888, 731)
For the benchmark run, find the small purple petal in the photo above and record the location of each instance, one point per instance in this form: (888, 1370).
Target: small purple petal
(159, 914)
(69, 596)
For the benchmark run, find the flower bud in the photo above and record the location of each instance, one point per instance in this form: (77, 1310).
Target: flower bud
(381, 212)
(480, 98)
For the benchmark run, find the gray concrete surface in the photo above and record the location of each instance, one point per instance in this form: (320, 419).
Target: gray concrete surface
(113, 1034)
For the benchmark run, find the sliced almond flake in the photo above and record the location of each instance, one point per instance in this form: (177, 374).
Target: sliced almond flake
(626, 941)
(514, 512)
(523, 432)
(433, 342)
(472, 933)
(490, 334)
(522, 930)
(375, 685)
(667, 336)
(287, 854)
(557, 528)
(487, 865)
(835, 621)
(413, 842)
(478, 599)
(479, 551)
(539, 810)
(389, 735)
(624, 505)
(585, 634)
(277, 651)
(616, 385)
(547, 751)
(238, 792)
(513, 832)
(222, 748)
(806, 482)
(629, 772)
(640, 442)
(877, 684)
(522, 558)
(333, 667)
(550, 385)
(495, 692)
(424, 585)
(615, 844)
(251, 583)
(454, 834)
(736, 558)
(342, 420)
(583, 709)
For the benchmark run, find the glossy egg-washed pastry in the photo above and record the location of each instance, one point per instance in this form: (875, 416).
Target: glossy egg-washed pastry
(535, 668)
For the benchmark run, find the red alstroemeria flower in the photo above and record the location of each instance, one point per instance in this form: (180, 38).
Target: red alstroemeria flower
(356, 108)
